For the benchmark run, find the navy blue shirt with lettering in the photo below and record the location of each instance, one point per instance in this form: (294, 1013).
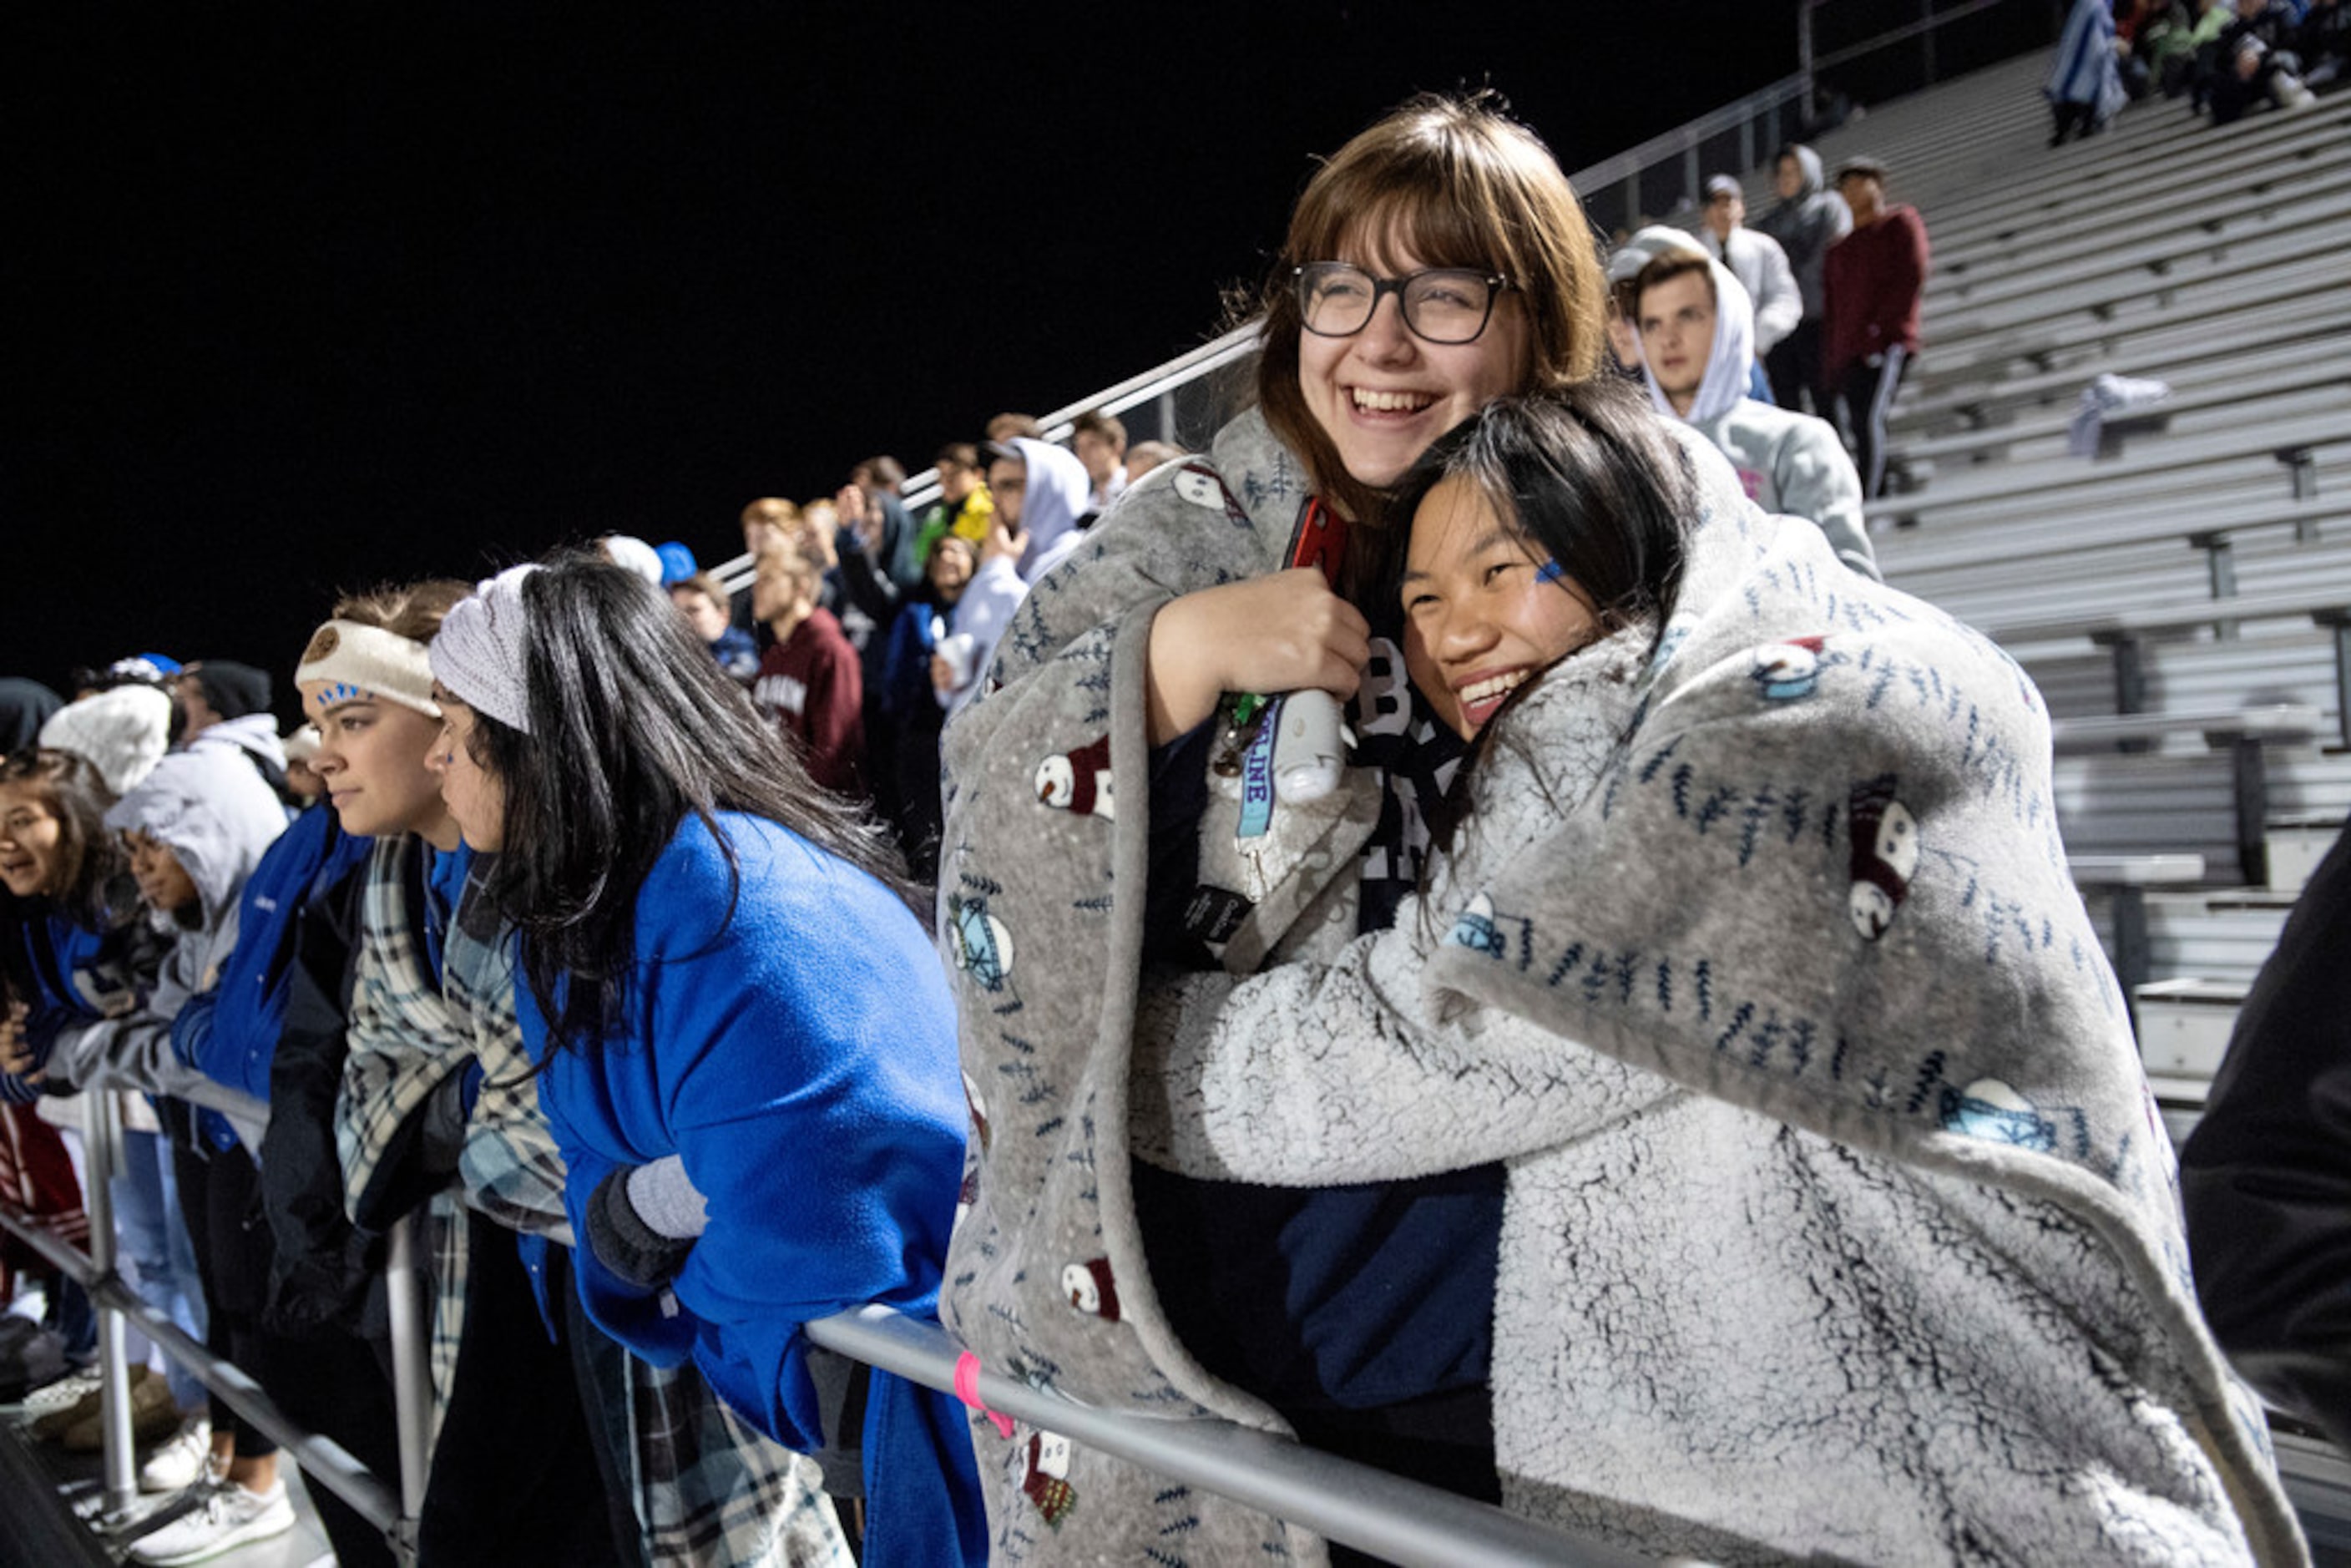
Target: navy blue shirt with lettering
(1363, 1313)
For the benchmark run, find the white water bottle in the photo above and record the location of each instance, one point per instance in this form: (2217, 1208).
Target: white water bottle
(1308, 747)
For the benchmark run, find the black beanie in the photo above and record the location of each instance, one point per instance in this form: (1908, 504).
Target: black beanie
(233, 690)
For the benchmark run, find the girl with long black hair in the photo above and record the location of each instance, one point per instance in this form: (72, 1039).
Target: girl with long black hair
(747, 1045)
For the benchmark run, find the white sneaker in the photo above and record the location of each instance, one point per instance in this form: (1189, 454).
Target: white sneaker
(184, 1458)
(229, 1517)
(43, 1406)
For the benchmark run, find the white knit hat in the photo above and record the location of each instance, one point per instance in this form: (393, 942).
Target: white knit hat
(478, 654)
(628, 551)
(123, 733)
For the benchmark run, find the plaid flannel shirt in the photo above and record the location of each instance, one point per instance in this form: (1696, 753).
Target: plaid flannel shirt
(714, 1493)
(511, 1169)
(404, 1044)
(709, 1491)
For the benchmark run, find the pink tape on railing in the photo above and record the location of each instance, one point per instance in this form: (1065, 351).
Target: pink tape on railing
(966, 1388)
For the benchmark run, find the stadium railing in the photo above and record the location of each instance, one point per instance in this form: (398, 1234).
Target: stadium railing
(1403, 1521)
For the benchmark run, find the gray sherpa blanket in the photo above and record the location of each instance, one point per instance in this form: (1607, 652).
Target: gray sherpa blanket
(1830, 1156)
(1040, 887)
(1839, 1221)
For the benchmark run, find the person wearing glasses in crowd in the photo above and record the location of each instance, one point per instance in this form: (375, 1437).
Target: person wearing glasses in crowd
(1136, 807)
(1438, 262)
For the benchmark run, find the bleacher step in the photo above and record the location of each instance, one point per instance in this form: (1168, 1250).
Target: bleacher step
(2296, 845)
(2184, 1027)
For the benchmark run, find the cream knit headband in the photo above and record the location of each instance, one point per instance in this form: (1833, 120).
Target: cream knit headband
(356, 661)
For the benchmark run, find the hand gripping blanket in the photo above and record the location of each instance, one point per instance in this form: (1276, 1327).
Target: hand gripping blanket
(1831, 1158)
(1839, 1221)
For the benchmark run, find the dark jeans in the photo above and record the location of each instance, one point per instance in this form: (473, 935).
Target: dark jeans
(219, 1197)
(331, 1383)
(2074, 120)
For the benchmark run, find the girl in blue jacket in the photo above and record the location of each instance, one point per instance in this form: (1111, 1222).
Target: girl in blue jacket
(746, 1041)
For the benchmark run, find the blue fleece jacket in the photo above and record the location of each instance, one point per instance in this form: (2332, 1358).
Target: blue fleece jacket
(230, 1032)
(794, 1043)
(78, 976)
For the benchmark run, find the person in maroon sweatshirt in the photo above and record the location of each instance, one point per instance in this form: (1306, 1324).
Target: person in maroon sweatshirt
(1872, 280)
(808, 681)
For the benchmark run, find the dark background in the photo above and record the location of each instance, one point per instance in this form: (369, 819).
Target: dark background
(312, 299)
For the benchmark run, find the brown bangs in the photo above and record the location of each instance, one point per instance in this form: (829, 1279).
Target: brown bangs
(1458, 182)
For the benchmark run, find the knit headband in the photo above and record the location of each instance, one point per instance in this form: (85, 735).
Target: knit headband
(355, 661)
(478, 654)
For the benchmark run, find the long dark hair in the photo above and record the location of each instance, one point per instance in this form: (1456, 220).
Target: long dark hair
(97, 893)
(1590, 475)
(633, 726)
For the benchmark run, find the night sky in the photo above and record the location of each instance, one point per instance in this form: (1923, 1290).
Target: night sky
(319, 297)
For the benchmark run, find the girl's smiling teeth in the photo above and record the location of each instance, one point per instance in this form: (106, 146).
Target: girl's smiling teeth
(1374, 400)
(1488, 691)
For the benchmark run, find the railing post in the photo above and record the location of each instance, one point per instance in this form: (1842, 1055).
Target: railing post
(2220, 571)
(406, 1280)
(101, 1148)
(2339, 626)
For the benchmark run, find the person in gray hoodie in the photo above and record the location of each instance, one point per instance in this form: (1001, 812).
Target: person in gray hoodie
(1808, 220)
(208, 814)
(1696, 331)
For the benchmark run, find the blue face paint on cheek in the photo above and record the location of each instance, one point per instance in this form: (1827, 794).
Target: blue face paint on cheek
(1550, 571)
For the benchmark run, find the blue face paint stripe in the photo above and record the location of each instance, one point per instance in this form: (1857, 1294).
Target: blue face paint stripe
(1550, 571)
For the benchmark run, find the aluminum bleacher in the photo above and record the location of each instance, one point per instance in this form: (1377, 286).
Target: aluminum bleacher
(2207, 259)
(2198, 576)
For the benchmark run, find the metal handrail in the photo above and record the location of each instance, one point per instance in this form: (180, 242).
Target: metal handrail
(1160, 382)
(1671, 143)
(1406, 1522)
(321, 1458)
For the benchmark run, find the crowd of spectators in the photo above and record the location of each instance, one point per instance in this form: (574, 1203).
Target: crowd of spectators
(1829, 285)
(2227, 57)
(595, 899)
(140, 819)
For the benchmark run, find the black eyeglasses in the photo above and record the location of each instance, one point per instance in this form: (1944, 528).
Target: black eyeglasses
(1441, 303)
